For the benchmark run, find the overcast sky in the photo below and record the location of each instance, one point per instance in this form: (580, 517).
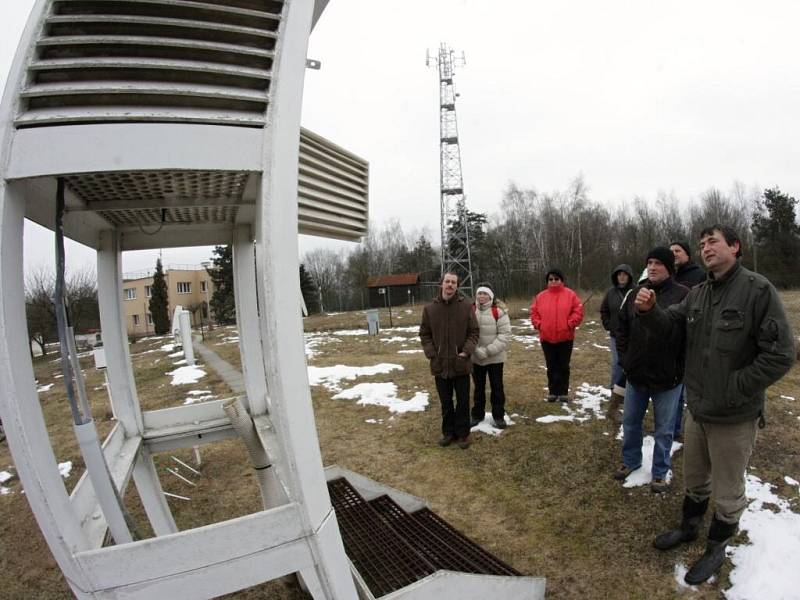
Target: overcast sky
(640, 97)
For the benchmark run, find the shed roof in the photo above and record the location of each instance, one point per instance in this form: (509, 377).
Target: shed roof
(392, 280)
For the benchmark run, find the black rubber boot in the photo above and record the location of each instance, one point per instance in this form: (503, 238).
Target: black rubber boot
(689, 528)
(719, 534)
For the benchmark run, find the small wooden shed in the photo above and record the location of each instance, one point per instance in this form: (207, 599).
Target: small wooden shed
(393, 290)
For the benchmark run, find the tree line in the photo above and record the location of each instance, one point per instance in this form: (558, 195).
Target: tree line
(532, 231)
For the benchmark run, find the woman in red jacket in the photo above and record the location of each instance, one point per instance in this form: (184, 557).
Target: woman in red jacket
(555, 313)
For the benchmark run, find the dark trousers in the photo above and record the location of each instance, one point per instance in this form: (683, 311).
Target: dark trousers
(557, 357)
(455, 420)
(498, 395)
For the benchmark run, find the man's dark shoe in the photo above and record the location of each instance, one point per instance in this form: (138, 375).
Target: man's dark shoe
(473, 421)
(622, 472)
(689, 528)
(464, 442)
(719, 534)
(499, 423)
(659, 486)
(445, 440)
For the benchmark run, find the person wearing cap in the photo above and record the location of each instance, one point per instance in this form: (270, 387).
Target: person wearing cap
(555, 313)
(738, 343)
(654, 369)
(489, 355)
(686, 271)
(449, 334)
(689, 274)
(621, 284)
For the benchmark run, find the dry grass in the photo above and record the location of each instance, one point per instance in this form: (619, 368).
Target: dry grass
(539, 496)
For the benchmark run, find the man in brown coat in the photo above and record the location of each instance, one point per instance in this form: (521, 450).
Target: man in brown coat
(449, 334)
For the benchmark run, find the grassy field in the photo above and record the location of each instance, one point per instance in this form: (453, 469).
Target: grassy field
(540, 496)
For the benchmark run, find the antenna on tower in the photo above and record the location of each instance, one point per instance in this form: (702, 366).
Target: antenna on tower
(454, 230)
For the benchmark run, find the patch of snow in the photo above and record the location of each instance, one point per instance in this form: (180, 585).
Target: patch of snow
(184, 375)
(168, 347)
(175, 354)
(680, 573)
(350, 332)
(643, 475)
(329, 377)
(384, 394)
(198, 396)
(234, 339)
(787, 397)
(395, 339)
(601, 347)
(5, 476)
(487, 426)
(766, 567)
(409, 351)
(44, 388)
(529, 341)
(180, 362)
(791, 481)
(65, 468)
(409, 311)
(587, 404)
(408, 329)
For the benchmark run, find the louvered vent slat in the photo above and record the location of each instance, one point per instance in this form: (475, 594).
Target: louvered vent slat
(153, 60)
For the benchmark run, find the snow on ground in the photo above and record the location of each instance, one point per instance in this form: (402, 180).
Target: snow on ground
(587, 404)
(487, 427)
(350, 332)
(5, 476)
(680, 573)
(417, 351)
(329, 377)
(766, 567)
(314, 340)
(791, 481)
(44, 388)
(168, 347)
(175, 354)
(602, 347)
(787, 397)
(233, 339)
(179, 362)
(396, 338)
(65, 468)
(198, 396)
(643, 475)
(384, 394)
(529, 341)
(184, 375)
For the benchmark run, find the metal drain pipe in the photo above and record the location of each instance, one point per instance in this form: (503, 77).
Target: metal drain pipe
(272, 493)
(85, 431)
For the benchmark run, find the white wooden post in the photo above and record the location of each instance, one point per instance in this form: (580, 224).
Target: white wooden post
(149, 487)
(20, 409)
(244, 285)
(115, 336)
(186, 336)
(277, 262)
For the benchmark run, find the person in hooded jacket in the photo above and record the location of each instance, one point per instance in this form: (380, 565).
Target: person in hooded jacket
(489, 355)
(555, 313)
(621, 284)
(654, 367)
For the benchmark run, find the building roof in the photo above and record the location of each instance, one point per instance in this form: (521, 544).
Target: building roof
(392, 280)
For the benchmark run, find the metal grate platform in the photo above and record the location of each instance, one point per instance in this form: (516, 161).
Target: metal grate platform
(437, 541)
(385, 561)
(391, 548)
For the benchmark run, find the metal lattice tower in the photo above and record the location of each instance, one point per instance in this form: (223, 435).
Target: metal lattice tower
(455, 233)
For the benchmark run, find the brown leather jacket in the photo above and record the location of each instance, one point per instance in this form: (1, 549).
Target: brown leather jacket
(448, 328)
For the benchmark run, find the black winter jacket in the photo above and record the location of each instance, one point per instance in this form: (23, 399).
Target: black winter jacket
(739, 342)
(609, 308)
(690, 275)
(652, 362)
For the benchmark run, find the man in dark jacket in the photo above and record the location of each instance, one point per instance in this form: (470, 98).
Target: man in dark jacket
(621, 284)
(654, 368)
(449, 334)
(686, 272)
(689, 274)
(738, 343)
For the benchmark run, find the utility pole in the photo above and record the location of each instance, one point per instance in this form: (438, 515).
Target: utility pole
(454, 227)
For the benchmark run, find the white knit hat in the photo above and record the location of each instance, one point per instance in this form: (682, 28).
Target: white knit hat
(485, 290)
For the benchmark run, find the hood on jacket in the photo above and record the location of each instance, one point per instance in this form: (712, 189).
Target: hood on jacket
(623, 268)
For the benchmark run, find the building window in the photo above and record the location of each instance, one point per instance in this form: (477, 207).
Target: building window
(184, 287)
(149, 319)
(130, 293)
(148, 291)
(203, 285)
(135, 320)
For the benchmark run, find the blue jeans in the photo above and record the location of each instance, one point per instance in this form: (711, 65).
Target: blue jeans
(616, 369)
(679, 414)
(664, 406)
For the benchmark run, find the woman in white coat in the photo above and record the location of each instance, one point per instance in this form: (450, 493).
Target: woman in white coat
(489, 355)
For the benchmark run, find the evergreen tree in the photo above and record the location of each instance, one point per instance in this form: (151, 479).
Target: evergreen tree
(223, 304)
(309, 290)
(776, 234)
(159, 302)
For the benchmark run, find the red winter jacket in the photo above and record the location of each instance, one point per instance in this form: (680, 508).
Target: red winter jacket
(555, 313)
